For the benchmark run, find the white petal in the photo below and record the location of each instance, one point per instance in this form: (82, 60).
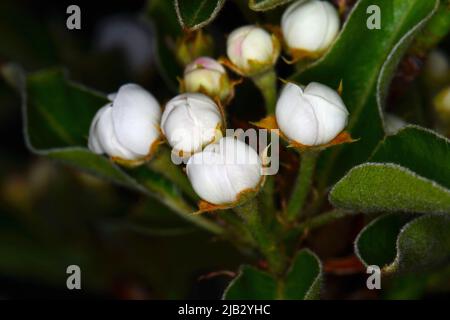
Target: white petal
(258, 46)
(310, 26)
(234, 46)
(331, 119)
(108, 140)
(136, 116)
(203, 78)
(325, 92)
(204, 63)
(208, 177)
(223, 170)
(93, 142)
(296, 117)
(190, 121)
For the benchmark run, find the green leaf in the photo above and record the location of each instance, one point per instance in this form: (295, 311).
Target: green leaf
(251, 284)
(162, 16)
(264, 5)
(364, 60)
(399, 245)
(57, 115)
(375, 187)
(376, 243)
(302, 281)
(420, 150)
(195, 14)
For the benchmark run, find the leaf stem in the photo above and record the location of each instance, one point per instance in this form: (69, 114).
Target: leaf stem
(302, 185)
(267, 85)
(162, 164)
(263, 237)
(324, 218)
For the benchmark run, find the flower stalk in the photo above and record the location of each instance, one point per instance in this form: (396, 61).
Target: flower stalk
(266, 82)
(269, 248)
(302, 185)
(162, 164)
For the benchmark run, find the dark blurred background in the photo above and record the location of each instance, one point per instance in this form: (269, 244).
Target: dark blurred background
(53, 216)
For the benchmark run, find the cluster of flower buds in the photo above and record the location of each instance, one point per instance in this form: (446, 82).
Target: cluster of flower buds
(224, 169)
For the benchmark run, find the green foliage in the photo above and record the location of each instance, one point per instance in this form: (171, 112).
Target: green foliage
(411, 174)
(263, 5)
(195, 14)
(387, 187)
(420, 150)
(400, 243)
(302, 281)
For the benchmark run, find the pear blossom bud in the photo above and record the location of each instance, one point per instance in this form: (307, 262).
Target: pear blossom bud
(437, 67)
(190, 121)
(126, 128)
(207, 76)
(442, 106)
(192, 45)
(393, 123)
(310, 27)
(225, 170)
(311, 116)
(252, 49)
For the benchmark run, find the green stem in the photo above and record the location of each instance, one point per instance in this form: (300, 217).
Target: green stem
(324, 219)
(302, 185)
(263, 237)
(162, 164)
(267, 85)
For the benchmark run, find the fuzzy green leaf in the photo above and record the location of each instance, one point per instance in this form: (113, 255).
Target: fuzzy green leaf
(251, 284)
(420, 150)
(302, 281)
(377, 187)
(364, 60)
(411, 174)
(264, 5)
(195, 14)
(398, 243)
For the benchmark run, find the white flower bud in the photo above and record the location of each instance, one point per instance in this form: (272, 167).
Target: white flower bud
(252, 49)
(311, 116)
(437, 67)
(310, 26)
(126, 128)
(206, 75)
(393, 123)
(190, 121)
(442, 105)
(223, 171)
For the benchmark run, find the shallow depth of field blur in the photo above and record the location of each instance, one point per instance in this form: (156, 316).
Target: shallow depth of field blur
(130, 246)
